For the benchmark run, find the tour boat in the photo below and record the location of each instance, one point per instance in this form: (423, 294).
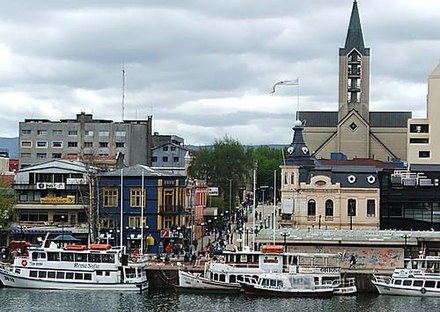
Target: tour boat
(419, 277)
(77, 267)
(196, 283)
(285, 285)
(236, 265)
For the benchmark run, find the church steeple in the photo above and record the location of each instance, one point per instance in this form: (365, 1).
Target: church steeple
(354, 70)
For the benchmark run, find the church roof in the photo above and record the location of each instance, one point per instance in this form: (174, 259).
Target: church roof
(355, 38)
(377, 119)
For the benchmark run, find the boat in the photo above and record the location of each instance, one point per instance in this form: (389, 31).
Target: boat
(74, 267)
(419, 277)
(196, 283)
(285, 285)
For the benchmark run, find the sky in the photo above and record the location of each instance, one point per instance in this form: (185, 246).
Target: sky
(204, 69)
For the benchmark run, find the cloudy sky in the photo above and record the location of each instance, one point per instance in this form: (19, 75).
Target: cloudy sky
(204, 69)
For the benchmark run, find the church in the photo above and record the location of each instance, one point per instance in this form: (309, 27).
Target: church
(354, 130)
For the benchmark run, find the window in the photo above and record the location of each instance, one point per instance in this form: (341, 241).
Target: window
(33, 274)
(26, 155)
(69, 275)
(41, 155)
(136, 197)
(103, 144)
(56, 155)
(419, 128)
(329, 208)
(42, 274)
(165, 159)
(110, 197)
(419, 141)
(88, 144)
(173, 148)
(41, 144)
(176, 159)
(87, 276)
(72, 144)
(26, 143)
(103, 133)
(60, 275)
(78, 276)
(351, 209)
(72, 132)
(57, 132)
(107, 223)
(120, 144)
(51, 274)
(41, 132)
(134, 222)
(57, 144)
(154, 159)
(120, 133)
(26, 131)
(418, 283)
(430, 284)
(424, 154)
(371, 208)
(165, 148)
(311, 208)
(88, 133)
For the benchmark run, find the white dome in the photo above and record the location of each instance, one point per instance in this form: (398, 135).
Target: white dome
(298, 123)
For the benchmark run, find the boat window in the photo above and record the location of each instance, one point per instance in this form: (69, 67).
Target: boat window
(78, 276)
(60, 275)
(438, 284)
(273, 283)
(65, 256)
(33, 274)
(397, 282)
(99, 273)
(80, 257)
(51, 274)
(18, 271)
(53, 256)
(69, 275)
(96, 258)
(42, 274)
(280, 284)
(407, 283)
(108, 258)
(222, 278)
(42, 255)
(265, 282)
(216, 276)
(430, 284)
(34, 256)
(87, 276)
(107, 273)
(240, 278)
(232, 279)
(418, 283)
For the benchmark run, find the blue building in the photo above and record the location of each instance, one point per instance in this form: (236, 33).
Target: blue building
(149, 211)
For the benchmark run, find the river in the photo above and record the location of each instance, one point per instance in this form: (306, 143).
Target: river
(167, 301)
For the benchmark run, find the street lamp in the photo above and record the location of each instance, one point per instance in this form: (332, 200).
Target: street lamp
(406, 236)
(203, 232)
(62, 231)
(230, 198)
(285, 235)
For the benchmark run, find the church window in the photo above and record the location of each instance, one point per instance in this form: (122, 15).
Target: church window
(353, 126)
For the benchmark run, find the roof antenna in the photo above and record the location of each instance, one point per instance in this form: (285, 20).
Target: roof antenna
(123, 90)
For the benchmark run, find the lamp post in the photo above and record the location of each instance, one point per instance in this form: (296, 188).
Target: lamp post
(285, 235)
(230, 198)
(203, 232)
(62, 231)
(406, 236)
(351, 209)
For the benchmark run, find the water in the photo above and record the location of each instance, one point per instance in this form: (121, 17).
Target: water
(168, 301)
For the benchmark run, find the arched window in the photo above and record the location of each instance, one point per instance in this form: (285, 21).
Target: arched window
(351, 209)
(311, 208)
(329, 208)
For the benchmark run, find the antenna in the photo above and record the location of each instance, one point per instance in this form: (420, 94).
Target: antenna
(123, 90)
(297, 100)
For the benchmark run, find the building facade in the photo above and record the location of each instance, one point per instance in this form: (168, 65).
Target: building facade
(140, 201)
(94, 141)
(354, 130)
(169, 155)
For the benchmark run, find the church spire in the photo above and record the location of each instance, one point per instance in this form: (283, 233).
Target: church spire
(355, 38)
(298, 152)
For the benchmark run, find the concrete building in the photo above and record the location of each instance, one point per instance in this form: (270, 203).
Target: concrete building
(424, 133)
(354, 130)
(94, 141)
(169, 155)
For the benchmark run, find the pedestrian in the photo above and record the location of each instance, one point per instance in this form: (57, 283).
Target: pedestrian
(352, 262)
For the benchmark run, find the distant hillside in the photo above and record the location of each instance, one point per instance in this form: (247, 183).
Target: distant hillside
(279, 146)
(10, 144)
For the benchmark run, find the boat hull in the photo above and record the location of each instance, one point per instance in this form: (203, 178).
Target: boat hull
(190, 282)
(389, 289)
(10, 279)
(251, 290)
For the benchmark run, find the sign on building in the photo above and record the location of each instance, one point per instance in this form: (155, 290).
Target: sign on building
(213, 191)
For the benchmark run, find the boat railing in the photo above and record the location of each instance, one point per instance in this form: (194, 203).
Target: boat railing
(382, 279)
(344, 282)
(142, 274)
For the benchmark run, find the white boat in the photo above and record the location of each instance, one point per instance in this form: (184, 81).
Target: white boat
(195, 282)
(285, 285)
(75, 267)
(419, 277)
(324, 268)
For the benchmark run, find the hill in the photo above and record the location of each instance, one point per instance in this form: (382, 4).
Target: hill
(11, 145)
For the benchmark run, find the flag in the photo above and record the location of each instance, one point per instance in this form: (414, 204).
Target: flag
(294, 82)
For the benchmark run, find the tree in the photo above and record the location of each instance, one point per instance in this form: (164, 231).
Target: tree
(7, 200)
(268, 160)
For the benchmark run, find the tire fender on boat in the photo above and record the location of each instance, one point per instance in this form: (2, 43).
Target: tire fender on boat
(24, 262)
(423, 290)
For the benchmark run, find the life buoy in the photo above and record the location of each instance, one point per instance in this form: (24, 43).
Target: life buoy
(423, 290)
(23, 262)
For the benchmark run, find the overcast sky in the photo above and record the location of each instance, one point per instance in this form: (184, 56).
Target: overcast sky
(204, 69)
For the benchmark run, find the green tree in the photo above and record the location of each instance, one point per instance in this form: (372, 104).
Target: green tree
(268, 160)
(7, 200)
